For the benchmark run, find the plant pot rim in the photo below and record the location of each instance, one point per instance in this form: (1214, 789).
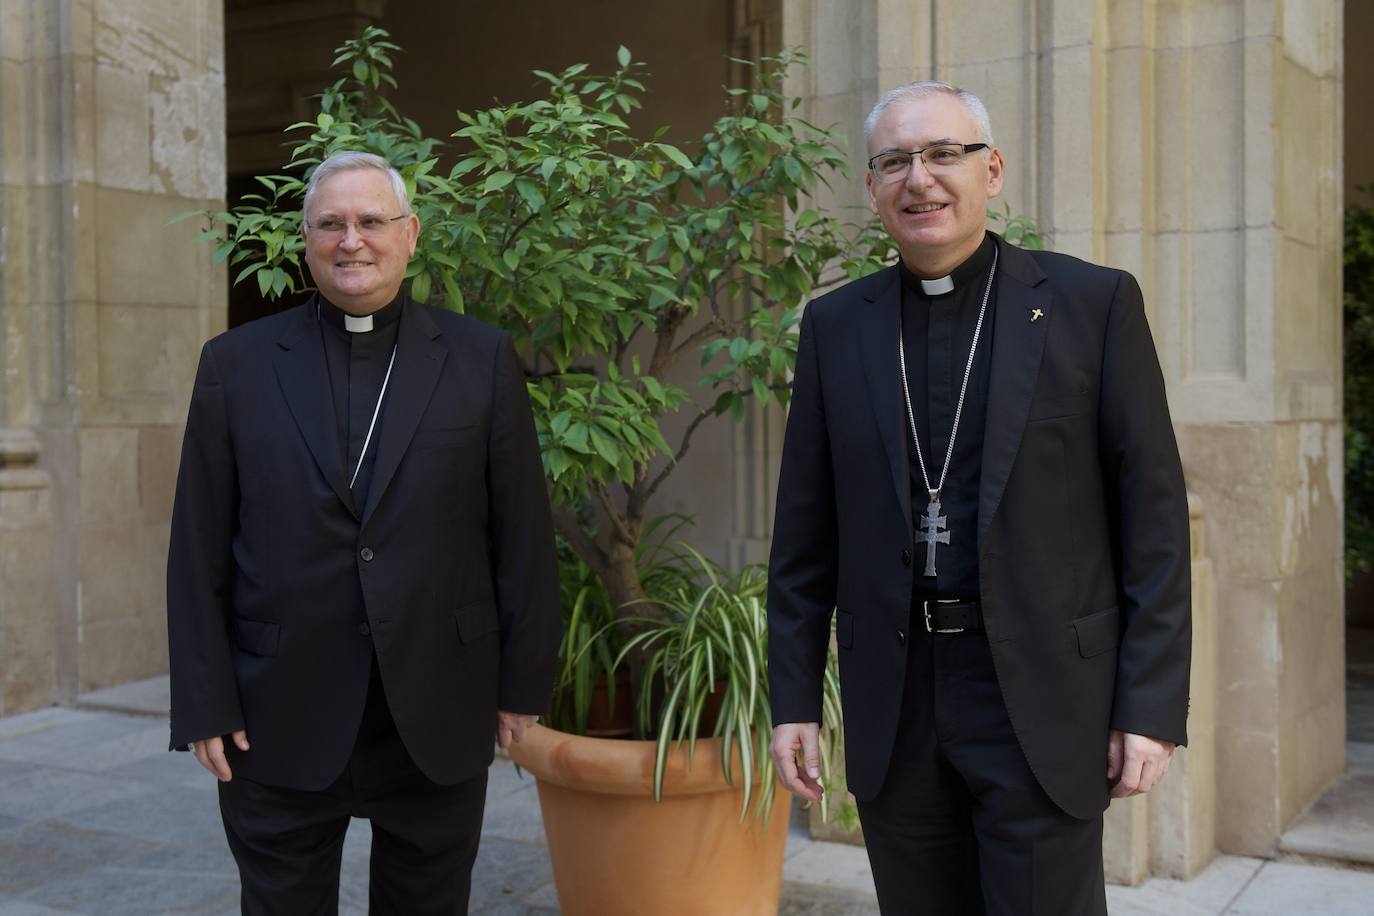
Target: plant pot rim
(614, 766)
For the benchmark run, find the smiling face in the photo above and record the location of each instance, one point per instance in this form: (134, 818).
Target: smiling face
(358, 273)
(936, 218)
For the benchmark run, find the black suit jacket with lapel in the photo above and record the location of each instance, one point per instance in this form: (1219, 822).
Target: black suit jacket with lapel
(1082, 524)
(279, 587)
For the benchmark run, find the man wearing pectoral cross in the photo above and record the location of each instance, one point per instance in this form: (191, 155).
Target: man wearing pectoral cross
(1002, 412)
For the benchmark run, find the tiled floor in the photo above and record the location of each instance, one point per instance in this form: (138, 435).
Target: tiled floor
(97, 818)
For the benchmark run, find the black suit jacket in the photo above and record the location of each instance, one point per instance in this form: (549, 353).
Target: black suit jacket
(278, 587)
(1082, 524)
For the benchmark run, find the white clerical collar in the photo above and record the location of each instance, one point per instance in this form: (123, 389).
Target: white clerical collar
(937, 287)
(357, 324)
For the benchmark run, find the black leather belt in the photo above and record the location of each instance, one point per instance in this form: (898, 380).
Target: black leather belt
(951, 615)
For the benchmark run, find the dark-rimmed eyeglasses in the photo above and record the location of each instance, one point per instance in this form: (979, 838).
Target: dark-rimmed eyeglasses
(893, 164)
(367, 225)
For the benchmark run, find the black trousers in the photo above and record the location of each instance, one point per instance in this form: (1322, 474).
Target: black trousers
(289, 843)
(961, 826)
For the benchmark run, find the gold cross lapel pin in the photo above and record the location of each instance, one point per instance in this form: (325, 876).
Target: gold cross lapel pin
(1037, 314)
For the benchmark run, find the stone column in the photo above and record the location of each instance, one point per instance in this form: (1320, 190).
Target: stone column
(1198, 146)
(114, 125)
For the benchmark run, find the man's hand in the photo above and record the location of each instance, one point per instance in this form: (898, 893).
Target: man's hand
(789, 738)
(210, 753)
(510, 726)
(1136, 763)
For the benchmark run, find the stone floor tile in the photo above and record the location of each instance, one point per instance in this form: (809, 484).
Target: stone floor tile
(11, 823)
(173, 815)
(12, 906)
(514, 816)
(1207, 894)
(545, 897)
(164, 768)
(1339, 825)
(39, 853)
(86, 741)
(25, 725)
(813, 900)
(833, 865)
(152, 696)
(192, 860)
(503, 778)
(1289, 889)
(12, 768)
(53, 792)
(129, 892)
(1359, 756)
(507, 869)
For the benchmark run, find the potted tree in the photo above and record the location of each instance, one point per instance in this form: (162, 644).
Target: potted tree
(611, 258)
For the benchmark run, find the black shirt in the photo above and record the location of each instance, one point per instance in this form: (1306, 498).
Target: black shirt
(357, 363)
(937, 332)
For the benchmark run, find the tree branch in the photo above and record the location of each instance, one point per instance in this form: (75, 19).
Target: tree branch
(682, 447)
(617, 519)
(566, 523)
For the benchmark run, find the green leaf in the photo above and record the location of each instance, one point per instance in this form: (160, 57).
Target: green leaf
(496, 181)
(360, 70)
(678, 157)
(622, 56)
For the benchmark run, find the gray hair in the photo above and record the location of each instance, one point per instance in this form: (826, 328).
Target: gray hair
(348, 161)
(923, 88)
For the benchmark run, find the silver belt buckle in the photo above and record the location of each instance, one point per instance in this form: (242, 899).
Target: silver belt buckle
(925, 606)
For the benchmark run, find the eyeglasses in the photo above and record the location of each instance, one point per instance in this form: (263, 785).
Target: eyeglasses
(893, 164)
(371, 226)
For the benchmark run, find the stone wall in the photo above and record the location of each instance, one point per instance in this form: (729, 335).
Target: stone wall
(114, 125)
(1198, 146)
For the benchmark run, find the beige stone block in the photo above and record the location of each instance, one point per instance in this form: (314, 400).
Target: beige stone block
(1126, 841)
(1070, 22)
(109, 475)
(1183, 807)
(157, 36)
(964, 39)
(1247, 791)
(1260, 150)
(1130, 172)
(1066, 141)
(147, 352)
(159, 453)
(1232, 469)
(141, 259)
(903, 36)
(1307, 150)
(123, 157)
(1187, 23)
(1307, 345)
(121, 651)
(1170, 133)
(187, 131)
(1217, 304)
(14, 96)
(1215, 135)
(1311, 34)
(123, 631)
(1130, 23)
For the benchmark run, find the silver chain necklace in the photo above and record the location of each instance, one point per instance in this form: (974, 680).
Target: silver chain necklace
(932, 522)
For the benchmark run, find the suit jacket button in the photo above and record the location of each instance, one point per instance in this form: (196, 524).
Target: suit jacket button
(367, 554)
(906, 557)
(364, 629)
(901, 637)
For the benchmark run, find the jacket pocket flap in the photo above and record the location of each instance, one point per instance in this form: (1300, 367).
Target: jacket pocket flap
(1099, 632)
(256, 636)
(844, 629)
(477, 619)
(1051, 408)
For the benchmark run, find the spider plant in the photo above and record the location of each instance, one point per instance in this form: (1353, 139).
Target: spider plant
(715, 638)
(593, 636)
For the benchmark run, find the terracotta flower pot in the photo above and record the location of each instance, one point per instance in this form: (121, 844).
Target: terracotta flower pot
(617, 852)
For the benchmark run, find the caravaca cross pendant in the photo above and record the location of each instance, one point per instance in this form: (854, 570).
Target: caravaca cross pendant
(931, 534)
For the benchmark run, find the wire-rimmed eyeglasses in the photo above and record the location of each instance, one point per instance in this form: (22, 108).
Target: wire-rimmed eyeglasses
(893, 164)
(366, 225)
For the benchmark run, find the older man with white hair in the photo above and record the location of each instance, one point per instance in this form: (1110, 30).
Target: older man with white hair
(362, 588)
(980, 482)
